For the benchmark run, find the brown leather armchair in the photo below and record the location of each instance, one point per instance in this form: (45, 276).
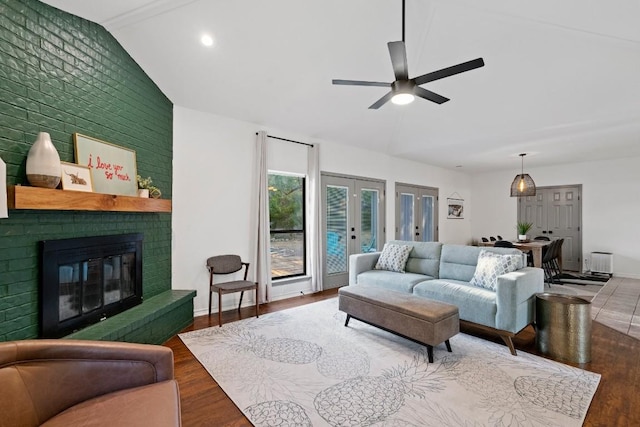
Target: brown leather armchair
(87, 383)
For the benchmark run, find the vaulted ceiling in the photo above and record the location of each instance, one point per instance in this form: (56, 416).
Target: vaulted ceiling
(561, 80)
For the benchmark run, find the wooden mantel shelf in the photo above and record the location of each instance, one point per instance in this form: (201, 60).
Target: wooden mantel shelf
(24, 197)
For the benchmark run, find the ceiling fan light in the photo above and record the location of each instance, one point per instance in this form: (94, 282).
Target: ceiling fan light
(402, 98)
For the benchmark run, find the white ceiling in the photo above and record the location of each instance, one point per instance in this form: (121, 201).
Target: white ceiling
(561, 80)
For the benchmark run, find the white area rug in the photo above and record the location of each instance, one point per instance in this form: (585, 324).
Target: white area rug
(302, 367)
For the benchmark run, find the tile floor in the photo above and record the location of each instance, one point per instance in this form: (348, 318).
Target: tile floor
(617, 306)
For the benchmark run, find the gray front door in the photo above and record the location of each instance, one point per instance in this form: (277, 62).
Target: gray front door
(556, 212)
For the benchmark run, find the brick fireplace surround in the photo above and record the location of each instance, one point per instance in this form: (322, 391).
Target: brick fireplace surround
(62, 74)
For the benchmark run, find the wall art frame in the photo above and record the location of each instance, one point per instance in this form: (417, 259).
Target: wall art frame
(114, 168)
(455, 208)
(76, 177)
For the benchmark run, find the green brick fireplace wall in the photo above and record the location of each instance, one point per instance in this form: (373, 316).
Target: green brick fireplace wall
(62, 74)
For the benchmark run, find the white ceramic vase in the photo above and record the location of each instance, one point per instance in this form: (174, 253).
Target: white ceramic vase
(43, 163)
(522, 237)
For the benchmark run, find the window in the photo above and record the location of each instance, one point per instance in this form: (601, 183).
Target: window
(287, 225)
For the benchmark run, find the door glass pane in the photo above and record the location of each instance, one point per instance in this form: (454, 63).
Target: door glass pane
(406, 216)
(368, 220)
(337, 214)
(427, 219)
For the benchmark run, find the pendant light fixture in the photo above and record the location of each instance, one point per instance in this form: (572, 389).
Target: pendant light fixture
(523, 184)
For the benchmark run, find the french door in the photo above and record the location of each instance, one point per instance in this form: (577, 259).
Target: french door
(353, 223)
(556, 213)
(416, 213)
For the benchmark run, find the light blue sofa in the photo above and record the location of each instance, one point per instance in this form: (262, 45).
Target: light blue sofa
(442, 272)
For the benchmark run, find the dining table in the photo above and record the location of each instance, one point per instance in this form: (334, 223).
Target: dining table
(534, 246)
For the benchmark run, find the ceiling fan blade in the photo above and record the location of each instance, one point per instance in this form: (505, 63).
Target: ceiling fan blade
(359, 83)
(431, 96)
(380, 102)
(449, 71)
(398, 53)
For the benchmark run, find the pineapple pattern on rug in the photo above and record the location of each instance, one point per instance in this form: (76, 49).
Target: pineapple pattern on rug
(365, 400)
(302, 367)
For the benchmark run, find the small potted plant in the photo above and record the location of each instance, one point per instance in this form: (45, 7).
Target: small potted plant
(523, 229)
(145, 189)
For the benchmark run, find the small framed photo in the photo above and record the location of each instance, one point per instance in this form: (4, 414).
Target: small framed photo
(76, 177)
(455, 208)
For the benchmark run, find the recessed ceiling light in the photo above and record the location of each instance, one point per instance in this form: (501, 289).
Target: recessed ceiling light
(206, 40)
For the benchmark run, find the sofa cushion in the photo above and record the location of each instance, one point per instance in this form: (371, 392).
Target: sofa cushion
(393, 257)
(475, 304)
(155, 404)
(424, 257)
(459, 262)
(391, 280)
(490, 266)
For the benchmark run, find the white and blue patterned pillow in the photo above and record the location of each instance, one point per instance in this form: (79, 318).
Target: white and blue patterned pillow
(491, 265)
(393, 257)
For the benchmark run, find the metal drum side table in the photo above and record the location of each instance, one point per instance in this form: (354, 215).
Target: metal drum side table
(563, 327)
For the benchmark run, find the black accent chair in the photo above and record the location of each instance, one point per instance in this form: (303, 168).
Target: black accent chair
(499, 237)
(484, 239)
(493, 239)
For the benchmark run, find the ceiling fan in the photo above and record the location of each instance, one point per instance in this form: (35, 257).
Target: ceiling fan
(403, 89)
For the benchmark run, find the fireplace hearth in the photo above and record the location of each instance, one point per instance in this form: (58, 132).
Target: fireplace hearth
(86, 280)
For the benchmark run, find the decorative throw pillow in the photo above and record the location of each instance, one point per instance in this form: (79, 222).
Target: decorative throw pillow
(490, 266)
(393, 257)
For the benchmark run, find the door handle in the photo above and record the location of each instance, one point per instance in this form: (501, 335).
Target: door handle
(550, 231)
(544, 231)
(353, 237)
(417, 234)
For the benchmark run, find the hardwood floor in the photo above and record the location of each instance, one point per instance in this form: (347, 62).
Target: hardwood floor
(616, 356)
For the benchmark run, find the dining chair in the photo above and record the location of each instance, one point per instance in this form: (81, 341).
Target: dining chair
(493, 239)
(484, 239)
(549, 261)
(228, 264)
(544, 249)
(557, 253)
(499, 237)
(503, 244)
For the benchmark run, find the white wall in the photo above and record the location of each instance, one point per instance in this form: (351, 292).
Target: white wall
(610, 206)
(352, 161)
(213, 168)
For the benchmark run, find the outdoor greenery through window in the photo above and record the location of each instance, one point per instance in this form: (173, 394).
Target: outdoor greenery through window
(287, 222)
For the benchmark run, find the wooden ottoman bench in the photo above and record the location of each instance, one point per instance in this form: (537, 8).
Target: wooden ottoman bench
(416, 318)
